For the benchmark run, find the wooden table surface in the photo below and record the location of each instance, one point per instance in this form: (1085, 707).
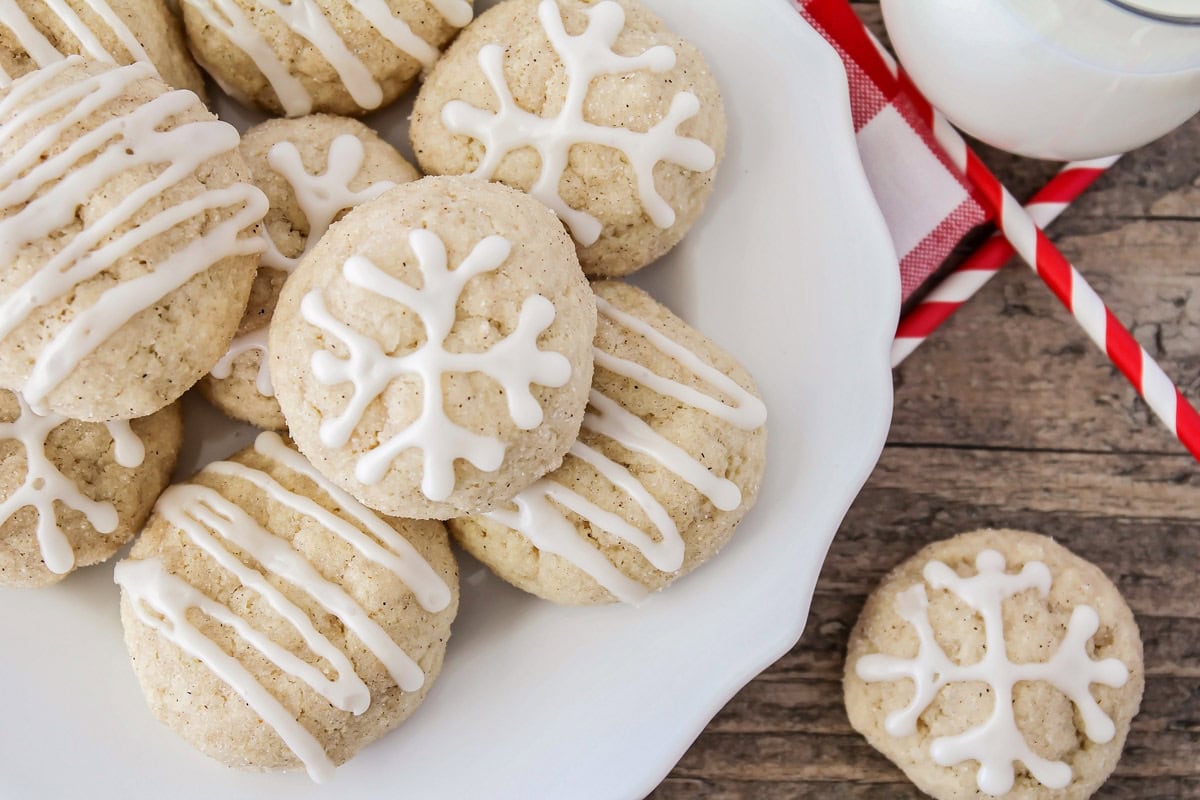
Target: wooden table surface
(1009, 417)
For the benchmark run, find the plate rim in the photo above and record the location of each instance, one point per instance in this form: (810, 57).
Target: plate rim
(871, 217)
(826, 84)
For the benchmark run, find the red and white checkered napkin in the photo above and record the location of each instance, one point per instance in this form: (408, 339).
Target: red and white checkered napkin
(929, 205)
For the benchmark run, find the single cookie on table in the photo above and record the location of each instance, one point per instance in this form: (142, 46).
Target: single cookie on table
(313, 170)
(129, 237)
(35, 33)
(669, 461)
(594, 108)
(274, 622)
(996, 663)
(72, 493)
(294, 57)
(432, 353)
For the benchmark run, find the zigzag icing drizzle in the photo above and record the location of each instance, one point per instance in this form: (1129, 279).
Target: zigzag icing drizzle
(321, 197)
(44, 54)
(305, 19)
(161, 600)
(549, 529)
(47, 189)
(45, 485)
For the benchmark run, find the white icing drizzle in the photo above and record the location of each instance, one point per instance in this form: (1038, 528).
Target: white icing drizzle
(28, 36)
(747, 411)
(198, 510)
(515, 362)
(550, 530)
(457, 12)
(43, 53)
(119, 29)
(226, 17)
(998, 743)
(47, 190)
(148, 584)
(584, 57)
(397, 553)
(247, 342)
(306, 19)
(321, 197)
(609, 418)
(398, 32)
(128, 449)
(45, 484)
(161, 600)
(87, 40)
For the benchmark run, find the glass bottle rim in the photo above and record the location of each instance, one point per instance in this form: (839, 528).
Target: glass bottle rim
(1136, 7)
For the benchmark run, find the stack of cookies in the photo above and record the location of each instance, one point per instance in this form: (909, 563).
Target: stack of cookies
(427, 356)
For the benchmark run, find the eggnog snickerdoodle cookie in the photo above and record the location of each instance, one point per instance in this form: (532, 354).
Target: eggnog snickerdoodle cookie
(432, 353)
(35, 33)
(668, 462)
(71, 493)
(128, 239)
(274, 622)
(594, 108)
(313, 170)
(996, 663)
(294, 57)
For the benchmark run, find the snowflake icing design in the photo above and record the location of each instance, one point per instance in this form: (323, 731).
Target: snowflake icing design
(45, 485)
(515, 362)
(584, 57)
(998, 743)
(321, 196)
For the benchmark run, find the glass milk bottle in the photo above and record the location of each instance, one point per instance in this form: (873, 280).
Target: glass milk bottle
(1057, 79)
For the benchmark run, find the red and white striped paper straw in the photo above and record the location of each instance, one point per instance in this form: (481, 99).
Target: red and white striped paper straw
(978, 268)
(1070, 287)
(1096, 319)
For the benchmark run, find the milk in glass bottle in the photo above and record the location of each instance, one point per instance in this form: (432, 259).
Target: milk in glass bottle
(1057, 79)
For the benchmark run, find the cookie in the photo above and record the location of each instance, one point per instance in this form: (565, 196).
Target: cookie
(594, 108)
(129, 237)
(35, 33)
(274, 622)
(996, 663)
(294, 57)
(432, 353)
(313, 170)
(669, 460)
(71, 493)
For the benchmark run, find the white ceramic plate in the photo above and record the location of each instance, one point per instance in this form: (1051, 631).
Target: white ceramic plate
(792, 270)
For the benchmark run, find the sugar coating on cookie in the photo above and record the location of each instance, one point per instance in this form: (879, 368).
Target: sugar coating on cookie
(72, 493)
(312, 170)
(594, 108)
(996, 663)
(36, 33)
(129, 237)
(296, 57)
(274, 622)
(668, 462)
(432, 354)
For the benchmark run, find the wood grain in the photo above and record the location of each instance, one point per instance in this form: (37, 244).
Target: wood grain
(1008, 416)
